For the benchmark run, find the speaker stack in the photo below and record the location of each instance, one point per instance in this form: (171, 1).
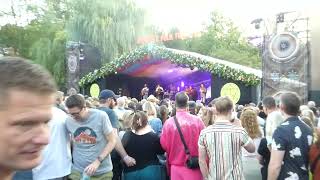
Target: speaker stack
(285, 65)
(72, 68)
(81, 59)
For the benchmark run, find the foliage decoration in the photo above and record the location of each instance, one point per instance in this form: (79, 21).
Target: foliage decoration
(184, 60)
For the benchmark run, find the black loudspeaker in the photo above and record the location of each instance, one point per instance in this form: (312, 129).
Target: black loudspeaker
(285, 65)
(80, 59)
(90, 59)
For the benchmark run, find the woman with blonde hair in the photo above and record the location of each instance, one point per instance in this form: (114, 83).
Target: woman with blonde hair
(154, 122)
(249, 122)
(309, 114)
(207, 116)
(127, 123)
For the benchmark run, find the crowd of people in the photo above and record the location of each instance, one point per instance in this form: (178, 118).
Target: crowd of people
(114, 137)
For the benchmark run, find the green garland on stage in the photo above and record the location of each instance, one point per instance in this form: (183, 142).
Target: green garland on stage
(183, 60)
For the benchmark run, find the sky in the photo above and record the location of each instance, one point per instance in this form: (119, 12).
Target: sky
(191, 15)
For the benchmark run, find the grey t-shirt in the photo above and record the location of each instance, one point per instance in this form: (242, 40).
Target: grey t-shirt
(89, 140)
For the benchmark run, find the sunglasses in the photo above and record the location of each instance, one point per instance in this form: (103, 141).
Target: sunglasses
(76, 113)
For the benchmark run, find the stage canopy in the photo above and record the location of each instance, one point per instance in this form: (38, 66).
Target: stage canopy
(163, 63)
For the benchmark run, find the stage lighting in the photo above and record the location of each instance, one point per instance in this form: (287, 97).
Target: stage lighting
(81, 52)
(280, 18)
(182, 84)
(257, 22)
(257, 26)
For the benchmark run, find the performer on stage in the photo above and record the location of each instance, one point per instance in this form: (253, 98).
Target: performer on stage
(172, 91)
(192, 93)
(203, 92)
(189, 91)
(145, 92)
(159, 92)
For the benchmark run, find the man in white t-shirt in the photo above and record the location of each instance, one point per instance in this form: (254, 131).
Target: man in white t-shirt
(56, 162)
(274, 118)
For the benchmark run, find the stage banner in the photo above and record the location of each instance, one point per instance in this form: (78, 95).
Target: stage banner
(232, 90)
(285, 65)
(94, 90)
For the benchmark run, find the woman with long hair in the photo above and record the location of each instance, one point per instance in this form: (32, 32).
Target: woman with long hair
(154, 122)
(164, 113)
(207, 116)
(250, 161)
(127, 122)
(143, 145)
(250, 123)
(309, 114)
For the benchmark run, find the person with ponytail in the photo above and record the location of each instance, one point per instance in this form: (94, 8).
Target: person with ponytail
(143, 145)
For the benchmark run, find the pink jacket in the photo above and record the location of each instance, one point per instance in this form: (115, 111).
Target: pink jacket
(191, 127)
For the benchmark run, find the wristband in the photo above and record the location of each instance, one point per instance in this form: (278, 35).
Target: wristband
(100, 159)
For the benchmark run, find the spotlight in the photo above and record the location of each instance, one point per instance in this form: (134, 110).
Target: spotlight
(182, 84)
(257, 23)
(257, 26)
(280, 18)
(81, 52)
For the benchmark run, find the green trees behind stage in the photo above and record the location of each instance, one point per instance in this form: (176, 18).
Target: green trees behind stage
(40, 31)
(221, 39)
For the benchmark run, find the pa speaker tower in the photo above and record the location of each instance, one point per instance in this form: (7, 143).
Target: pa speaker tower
(72, 68)
(285, 65)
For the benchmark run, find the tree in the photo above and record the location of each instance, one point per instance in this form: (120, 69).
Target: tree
(111, 26)
(223, 40)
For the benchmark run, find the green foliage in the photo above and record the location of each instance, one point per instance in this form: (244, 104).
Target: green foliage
(184, 60)
(14, 36)
(222, 40)
(51, 54)
(111, 26)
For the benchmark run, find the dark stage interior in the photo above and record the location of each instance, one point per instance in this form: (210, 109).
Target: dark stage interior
(131, 86)
(130, 79)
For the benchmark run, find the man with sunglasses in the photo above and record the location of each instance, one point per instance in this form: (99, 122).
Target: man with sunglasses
(93, 139)
(107, 99)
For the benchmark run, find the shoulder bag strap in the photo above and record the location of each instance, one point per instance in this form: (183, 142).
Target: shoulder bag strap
(181, 136)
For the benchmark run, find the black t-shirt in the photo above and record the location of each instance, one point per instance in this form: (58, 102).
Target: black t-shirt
(262, 115)
(264, 151)
(143, 148)
(293, 137)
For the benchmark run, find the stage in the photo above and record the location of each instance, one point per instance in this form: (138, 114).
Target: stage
(154, 65)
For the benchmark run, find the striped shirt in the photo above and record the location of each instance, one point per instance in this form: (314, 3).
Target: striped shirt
(222, 142)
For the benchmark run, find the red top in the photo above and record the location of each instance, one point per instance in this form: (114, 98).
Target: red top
(313, 154)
